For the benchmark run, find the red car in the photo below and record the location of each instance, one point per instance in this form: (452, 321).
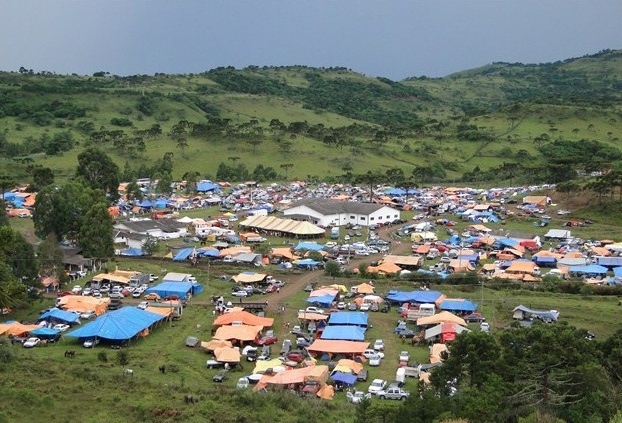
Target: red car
(267, 340)
(296, 356)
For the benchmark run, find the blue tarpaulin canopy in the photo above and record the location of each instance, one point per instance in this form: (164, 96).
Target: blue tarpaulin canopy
(9, 196)
(345, 378)
(122, 324)
(207, 186)
(312, 246)
(161, 203)
(183, 254)
(62, 315)
(544, 260)
(594, 268)
(465, 305)
(618, 272)
(307, 263)
(413, 296)
(507, 242)
(344, 333)
(356, 318)
(145, 204)
(395, 191)
(132, 252)
(181, 289)
(323, 300)
(45, 332)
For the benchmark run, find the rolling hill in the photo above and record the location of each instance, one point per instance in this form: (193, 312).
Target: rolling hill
(499, 122)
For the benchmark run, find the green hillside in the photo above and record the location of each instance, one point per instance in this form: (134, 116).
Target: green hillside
(500, 122)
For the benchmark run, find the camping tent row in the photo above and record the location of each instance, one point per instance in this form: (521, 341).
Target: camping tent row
(119, 325)
(283, 226)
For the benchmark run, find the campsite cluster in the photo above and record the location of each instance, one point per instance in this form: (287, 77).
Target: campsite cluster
(326, 348)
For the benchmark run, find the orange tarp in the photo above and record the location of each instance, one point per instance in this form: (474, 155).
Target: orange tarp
(545, 253)
(215, 343)
(442, 317)
(435, 352)
(82, 304)
(16, 328)
(245, 317)
(323, 291)
(227, 354)
(299, 375)
(241, 333)
(389, 268)
(326, 392)
(351, 364)
(522, 267)
(234, 251)
(422, 249)
(283, 252)
(601, 251)
(312, 316)
(365, 288)
(338, 347)
(163, 311)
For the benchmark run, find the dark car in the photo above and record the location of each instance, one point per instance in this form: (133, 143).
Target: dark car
(308, 288)
(221, 376)
(171, 298)
(362, 376)
(385, 308)
(374, 307)
(352, 306)
(475, 318)
(408, 333)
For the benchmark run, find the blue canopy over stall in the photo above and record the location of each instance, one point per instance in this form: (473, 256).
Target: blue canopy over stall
(463, 306)
(60, 315)
(118, 325)
(344, 378)
(323, 300)
(181, 289)
(344, 333)
(355, 318)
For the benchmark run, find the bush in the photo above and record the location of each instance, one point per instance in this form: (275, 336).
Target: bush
(123, 357)
(102, 356)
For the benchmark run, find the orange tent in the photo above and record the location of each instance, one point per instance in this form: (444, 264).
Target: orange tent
(282, 252)
(164, 311)
(528, 267)
(442, 317)
(354, 366)
(422, 249)
(435, 352)
(82, 304)
(16, 328)
(245, 317)
(312, 316)
(242, 332)
(326, 392)
(389, 268)
(215, 343)
(338, 347)
(365, 288)
(227, 354)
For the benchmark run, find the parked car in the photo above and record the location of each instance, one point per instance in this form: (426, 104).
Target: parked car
(314, 310)
(76, 290)
(385, 308)
(352, 306)
(377, 385)
(393, 393)
(374, 307)
(242, 383)
(379, 345)
(357, 397)
(341, 305)
(90, 343)
(213, 364)
(286, 347)
(404, 356)
(371, 352)
(143, 305)
(61, 327)
(296, 356)
(365, 307)
(240, 293)
(221, 376)
(474, 318)
(362, 376)
(408, 333)
(31, 342)
(375, 360)
(152, 297)
(87, 314)
(268, 340)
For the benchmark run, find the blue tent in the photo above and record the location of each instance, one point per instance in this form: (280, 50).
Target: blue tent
(183, 254)
(356, 318)
(454, 240)
(591, 269)
(181, 289)
(412, 191)
(61, 315)
(323, 300)
(207, 186)
(311, 246)
(344, 378)
(307, 263)
(618, 272)
(122, 324)
(471, 258)
(132, 252)
(507, 242)
(9, 196)
(413, 296)
(344, 333)
(609, 262)
(45, 333)
(395, 191)
(161, 203)
(145, 204)
(464, 306)
(544, 261)
(208, 253)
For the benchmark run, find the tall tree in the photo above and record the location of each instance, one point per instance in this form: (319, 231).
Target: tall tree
(286, 167)
(99, 171)
(96, 233)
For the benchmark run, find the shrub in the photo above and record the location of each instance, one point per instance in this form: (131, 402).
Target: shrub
(123, 357)
(102, 356)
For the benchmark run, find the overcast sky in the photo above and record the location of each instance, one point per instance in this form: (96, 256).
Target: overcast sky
(389, 38)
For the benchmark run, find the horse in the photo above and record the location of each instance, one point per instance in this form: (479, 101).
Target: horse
(162, 368)
(70, 354)
(128, 372)
(189, 399)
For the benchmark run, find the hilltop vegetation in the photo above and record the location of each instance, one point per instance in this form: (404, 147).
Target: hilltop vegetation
(502, 122)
